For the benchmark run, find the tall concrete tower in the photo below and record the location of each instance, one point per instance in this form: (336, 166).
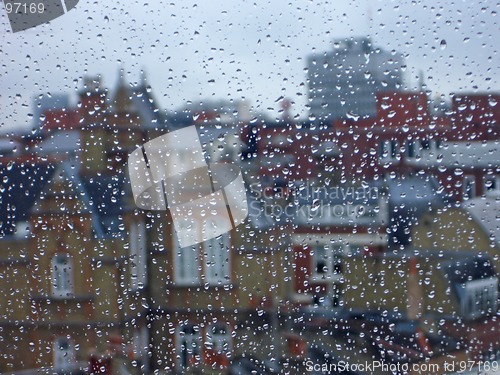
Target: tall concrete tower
(345, 80)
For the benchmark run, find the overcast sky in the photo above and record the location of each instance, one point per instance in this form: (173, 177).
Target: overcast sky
(234, 49)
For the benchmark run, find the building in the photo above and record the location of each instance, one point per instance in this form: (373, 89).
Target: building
(474, 224)
(474, 276)
(86, 271)
(343, 83)
(204, 299)
(90, 275)
(47, 102)
(332, 225)
(70, 236)
(422, 160)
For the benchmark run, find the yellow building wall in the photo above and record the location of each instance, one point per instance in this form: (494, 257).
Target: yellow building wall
(381, 283)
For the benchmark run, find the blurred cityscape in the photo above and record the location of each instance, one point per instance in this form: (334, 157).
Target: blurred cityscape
(373, 232)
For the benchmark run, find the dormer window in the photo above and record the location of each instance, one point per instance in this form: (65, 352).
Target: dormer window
(475, 284)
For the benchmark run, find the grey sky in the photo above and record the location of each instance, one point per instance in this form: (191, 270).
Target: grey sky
(227, 49)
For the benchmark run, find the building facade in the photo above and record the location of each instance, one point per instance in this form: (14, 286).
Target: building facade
(343, 82)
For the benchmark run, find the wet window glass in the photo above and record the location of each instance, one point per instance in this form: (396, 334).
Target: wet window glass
(249, 187)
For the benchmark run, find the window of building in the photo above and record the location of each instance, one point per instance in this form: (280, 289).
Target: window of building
(337, 296)
(384, 149)
(141, 347)
(394, 149)
(491, 183)
(411, 149)
(62, 276)
(188, 346)
(389, 150)
(414, 148)
(219, 338)
(469, 187)
(217, 260)
(479, 297)
(64, 353)
(138, 255)
(327, 260)
(425, 144)
(186, 262)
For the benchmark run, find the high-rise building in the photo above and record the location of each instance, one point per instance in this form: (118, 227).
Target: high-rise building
(343, 82)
